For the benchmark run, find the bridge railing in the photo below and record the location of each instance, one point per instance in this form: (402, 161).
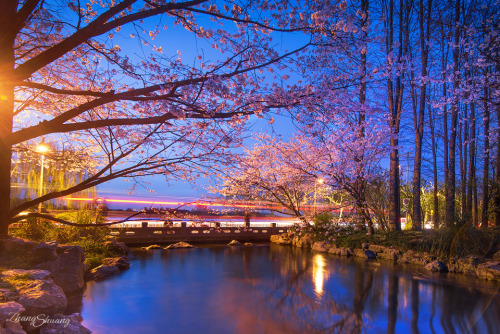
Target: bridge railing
(184, 231)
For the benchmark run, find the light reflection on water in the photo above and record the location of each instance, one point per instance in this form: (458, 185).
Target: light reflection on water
(279, 289)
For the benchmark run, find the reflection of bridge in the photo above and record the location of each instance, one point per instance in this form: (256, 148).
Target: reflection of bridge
(215, 233)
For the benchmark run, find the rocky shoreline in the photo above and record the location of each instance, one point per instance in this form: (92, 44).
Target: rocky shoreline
(483, 268)
(35, 300)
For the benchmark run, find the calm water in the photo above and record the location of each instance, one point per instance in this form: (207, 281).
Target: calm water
(279, 289)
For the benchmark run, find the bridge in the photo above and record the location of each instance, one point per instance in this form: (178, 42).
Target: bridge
(141, 234)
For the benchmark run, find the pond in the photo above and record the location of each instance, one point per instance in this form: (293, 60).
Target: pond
(281, 289)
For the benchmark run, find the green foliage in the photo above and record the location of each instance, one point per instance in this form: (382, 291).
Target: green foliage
(91, 238)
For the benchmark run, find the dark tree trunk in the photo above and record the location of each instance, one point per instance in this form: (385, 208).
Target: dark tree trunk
(435, 217)
(485, 199)
(419, 122)
(7, 83)
(450, 196)
(497, 181)
(462, 155)
(471, 180)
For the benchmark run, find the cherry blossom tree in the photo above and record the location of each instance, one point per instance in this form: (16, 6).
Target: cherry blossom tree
(64, 76)
(281, 174)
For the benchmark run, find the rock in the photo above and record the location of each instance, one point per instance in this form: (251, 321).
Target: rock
(42, 297)
(65, 324)
(152, 247)
(387, 253)
(365, 253)
(14, 245)
(417, 258)
(121, 262)
(14, 328)
(8, 310)
(466, 265)
(32, 274)
(343, 251)
(44, 252)
(247, 244)
(234, 243)
(489, 270)
(321, 246)
(179, 245)
(304, 241)
(7, 295)
(118, 247)
(437, 266)
(282, 239)
(68, 269)
(102, 272)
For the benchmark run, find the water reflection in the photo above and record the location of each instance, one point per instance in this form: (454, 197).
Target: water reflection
(280, 289)
(318, 274)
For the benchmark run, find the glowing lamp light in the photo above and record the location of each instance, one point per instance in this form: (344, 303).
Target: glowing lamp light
(42, 148)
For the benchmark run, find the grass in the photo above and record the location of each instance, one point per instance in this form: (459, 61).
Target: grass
(445, 243)
(91, 238)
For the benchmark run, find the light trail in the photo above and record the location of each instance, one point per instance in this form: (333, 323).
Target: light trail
(206, 204)
(111, 200)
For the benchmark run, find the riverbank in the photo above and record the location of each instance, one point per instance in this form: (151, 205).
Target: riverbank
(39, 282)
(464, 250)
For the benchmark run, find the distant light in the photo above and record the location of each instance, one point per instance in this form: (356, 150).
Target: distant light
(42, 148)
(320, 180)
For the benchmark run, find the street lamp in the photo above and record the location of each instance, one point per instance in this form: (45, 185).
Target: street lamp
(318, 181)
(42, 149)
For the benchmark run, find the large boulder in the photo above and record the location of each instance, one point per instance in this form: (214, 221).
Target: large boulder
(234, 243)
(13, 328)
(68, 268)
(321, 246)
(31, 274)
(45, 252)
(9, 312)
(14, 245)
(42, 297)
(179, 245)
(65, 324)
(342, 251)
(304, 241)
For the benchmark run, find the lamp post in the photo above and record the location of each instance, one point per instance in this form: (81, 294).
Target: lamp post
(42, 149)
(318, 181)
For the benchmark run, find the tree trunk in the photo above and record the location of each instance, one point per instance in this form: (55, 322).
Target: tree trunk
(485, 199)
(419, 123)
(7, 83)
(471, 180)
(450, 197)
(435, 217)
(462, 155)
(497, 181)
